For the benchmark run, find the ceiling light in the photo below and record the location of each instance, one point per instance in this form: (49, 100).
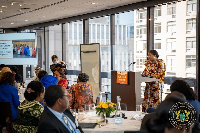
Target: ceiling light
(20, 4)
(12, 3)
(1, 11)
(4, 6)
(26, 20)
(93, 3)
(11, 23)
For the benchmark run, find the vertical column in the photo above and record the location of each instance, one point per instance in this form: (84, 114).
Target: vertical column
(150, 28)
(197, 49)
(85, 31)
(62, 34)
(112, 39)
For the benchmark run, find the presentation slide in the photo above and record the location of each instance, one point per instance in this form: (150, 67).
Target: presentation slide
(18, 49)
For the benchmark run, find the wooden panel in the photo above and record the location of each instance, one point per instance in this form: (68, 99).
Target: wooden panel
(126, 92)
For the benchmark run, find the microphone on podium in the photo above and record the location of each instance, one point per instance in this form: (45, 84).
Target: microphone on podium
(132, 63)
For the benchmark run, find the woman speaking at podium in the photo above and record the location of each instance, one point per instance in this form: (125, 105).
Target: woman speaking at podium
(154, 67)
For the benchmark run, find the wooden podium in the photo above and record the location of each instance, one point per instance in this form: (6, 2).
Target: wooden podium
(130, 93)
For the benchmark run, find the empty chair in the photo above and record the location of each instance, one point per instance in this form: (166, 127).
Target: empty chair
(5, 116)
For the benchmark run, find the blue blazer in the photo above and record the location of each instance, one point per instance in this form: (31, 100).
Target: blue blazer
(10, 93)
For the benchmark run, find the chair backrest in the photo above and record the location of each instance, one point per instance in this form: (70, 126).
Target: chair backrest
(123, 106)
(5, 114)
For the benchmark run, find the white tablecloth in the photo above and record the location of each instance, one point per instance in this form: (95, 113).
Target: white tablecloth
(111, 127)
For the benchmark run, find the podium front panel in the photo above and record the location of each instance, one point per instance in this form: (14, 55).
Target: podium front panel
(125, 91)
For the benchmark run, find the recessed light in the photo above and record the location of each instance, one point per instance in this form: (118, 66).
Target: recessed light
(1, 11)
(4, 6)
(20, 4)
(94, 3)
(26, 20)
(11, 23)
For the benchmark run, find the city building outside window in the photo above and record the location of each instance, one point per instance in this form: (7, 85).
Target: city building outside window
(171, 10)
(191, 26)
(191, 45)
(171, 28)
(191, 7)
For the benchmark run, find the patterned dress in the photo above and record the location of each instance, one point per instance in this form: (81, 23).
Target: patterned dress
(153, 90)
(29, 113)
(82, 95)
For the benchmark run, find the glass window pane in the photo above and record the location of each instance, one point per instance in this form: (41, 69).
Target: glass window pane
(104, 40)
(73, 49)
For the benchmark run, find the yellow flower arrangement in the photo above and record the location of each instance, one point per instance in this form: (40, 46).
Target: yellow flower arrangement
(105, 108)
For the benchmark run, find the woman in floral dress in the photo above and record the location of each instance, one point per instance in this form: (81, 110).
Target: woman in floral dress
(154, 67)
(81, 93)
(30, 110)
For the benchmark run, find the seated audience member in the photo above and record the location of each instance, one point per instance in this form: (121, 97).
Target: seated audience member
(5, 69)
(41, 74)
(47, 80)
(160, 123)
(8, 92)
(59, 73)
(81, 93)
(184, 88)
(57, 118)
(30, 110)
(152, 114)
(18, 77)
(37, 70)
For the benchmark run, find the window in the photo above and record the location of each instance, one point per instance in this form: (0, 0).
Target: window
(100, 28)
(171, 45)
(171, 10)
(141, 31)
(140, 60)
(157, 28)
(72, 46)
(157, 11)
(130, 31)
(190, 44)
(141, 46)
(171, 28)
(171, 63)
(141, 16)
(190, 61)
(157, 45)
(191, 26)
(191, 7)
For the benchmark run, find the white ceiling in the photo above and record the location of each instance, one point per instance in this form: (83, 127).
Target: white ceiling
(38, 11)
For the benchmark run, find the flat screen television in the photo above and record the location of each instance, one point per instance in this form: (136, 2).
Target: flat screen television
(18, 49)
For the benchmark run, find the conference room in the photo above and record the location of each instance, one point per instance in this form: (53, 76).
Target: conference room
(109, 41)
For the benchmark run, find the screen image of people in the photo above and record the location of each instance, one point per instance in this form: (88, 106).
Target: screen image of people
(23, 49)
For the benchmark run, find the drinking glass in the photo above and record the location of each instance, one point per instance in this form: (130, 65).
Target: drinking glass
(138, 107)
(87, 107)
(80, 114)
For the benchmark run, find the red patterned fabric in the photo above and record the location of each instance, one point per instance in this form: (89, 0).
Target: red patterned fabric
(153, 90)
(83, 95)
(63, 83)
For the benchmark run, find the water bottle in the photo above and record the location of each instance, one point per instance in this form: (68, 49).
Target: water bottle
(118, 114)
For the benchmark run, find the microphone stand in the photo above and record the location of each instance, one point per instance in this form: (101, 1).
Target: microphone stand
(130, 65)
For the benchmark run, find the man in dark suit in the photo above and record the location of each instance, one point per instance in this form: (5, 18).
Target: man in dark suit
(56, 118)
